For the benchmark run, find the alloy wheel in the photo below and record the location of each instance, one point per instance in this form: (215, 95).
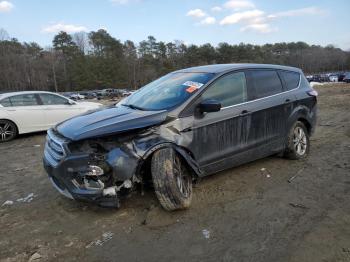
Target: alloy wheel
(7, 131)
(300, 141)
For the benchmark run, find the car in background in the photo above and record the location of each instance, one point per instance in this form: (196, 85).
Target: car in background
(315, 78)
(324, 78)
(109, 92)
(31, 111)
(346, 78)
(127, 93)
(76, 97)
(309, 78)
(341, 77)
(89, 94)
(333, 78)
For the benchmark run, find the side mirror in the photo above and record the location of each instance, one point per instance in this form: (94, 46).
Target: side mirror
(70, 102)
(210, 105)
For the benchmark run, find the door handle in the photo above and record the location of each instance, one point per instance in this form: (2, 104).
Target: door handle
(244, 113)
(287, 100)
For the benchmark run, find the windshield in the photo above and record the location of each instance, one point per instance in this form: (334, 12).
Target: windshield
(168, 91)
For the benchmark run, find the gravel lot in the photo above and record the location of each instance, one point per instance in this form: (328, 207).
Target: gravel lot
(249, 213)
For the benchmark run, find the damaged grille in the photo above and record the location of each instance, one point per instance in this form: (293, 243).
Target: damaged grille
(54, 150)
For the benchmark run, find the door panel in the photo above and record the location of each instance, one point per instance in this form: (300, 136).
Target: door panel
(26, 112)
(268, 121)
(55, 114)
(219, 135)
(269, 111)
(58, 109)
(29, 118)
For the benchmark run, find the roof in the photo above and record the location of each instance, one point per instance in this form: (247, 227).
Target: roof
(3, 95)
(221, 68)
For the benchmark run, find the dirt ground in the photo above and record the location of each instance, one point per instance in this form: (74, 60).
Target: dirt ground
(248, 213)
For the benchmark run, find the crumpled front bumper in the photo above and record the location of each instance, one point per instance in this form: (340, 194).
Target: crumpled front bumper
(64, 178)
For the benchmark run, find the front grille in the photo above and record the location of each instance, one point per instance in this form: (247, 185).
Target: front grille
(54, 150)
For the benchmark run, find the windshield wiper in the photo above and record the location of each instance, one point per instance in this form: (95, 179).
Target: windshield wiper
(133, 107)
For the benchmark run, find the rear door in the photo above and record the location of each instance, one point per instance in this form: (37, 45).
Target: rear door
(269, 111)
(26, 112)
(58, 108)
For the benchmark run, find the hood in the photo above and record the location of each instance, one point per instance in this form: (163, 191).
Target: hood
(108, 121)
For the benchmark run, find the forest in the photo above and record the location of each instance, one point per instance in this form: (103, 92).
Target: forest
(97, 60)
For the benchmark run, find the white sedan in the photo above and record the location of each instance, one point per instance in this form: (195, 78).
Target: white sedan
(31, 111)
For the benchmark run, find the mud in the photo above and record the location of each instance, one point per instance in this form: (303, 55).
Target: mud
(254, 212)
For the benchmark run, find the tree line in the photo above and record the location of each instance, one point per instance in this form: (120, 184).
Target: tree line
(96, 60)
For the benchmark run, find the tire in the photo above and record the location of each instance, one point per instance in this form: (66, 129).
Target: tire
(298, 142)
(8, 130)
(171, 179)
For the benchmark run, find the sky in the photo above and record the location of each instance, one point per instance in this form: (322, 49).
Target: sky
(320, 22)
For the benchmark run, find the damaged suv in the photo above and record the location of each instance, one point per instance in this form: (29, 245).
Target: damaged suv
(185, 125)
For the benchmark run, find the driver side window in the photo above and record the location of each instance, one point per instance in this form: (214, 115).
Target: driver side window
(229, 90)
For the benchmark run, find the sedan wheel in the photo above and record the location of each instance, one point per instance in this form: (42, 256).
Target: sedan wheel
(8, 130)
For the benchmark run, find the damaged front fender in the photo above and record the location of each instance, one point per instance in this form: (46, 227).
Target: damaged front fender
(127, 159)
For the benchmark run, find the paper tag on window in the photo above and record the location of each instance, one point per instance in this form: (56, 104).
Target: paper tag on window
(193, 84)
(191, 89)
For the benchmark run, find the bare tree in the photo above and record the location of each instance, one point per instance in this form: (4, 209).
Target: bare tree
(81, 39)
(4, 35)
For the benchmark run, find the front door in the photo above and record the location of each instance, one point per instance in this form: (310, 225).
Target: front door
(219, 135)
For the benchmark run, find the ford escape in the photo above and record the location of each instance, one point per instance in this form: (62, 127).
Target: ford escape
(185, 125)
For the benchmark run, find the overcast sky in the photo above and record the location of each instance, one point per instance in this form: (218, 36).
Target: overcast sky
(193, 21)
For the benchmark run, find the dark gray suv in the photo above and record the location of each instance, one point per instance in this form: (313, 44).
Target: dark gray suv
(185, 125)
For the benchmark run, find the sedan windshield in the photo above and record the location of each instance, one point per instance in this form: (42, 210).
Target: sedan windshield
(168, 91)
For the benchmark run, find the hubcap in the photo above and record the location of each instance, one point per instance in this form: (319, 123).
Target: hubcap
(299, 141)
(182, 177)
(6, 131)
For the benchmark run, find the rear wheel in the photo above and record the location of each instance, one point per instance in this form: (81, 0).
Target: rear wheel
(8, 130)
(172, 180)
(298, 142)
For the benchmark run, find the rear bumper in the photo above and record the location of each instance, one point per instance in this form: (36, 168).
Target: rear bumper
(65, 178)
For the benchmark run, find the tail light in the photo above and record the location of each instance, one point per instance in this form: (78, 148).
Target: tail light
(313, 92)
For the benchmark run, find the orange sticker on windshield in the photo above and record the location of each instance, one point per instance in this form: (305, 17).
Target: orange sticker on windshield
(191, 89)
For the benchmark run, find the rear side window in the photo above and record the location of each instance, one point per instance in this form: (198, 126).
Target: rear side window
(228, 90)
(50, 99)
(266, 83)
(23, 100)
(291, 79)
(5, 102)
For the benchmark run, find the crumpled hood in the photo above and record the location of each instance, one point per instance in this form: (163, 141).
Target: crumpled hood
(109, 121)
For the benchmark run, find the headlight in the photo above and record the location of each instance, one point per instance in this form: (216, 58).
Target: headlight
(94, 171)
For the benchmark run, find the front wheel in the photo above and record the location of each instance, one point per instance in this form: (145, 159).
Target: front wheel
(298, 142)
(8, 130)
(172, 180)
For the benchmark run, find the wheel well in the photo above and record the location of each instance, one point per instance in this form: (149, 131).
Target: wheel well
(306, 124)
(17, 131)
